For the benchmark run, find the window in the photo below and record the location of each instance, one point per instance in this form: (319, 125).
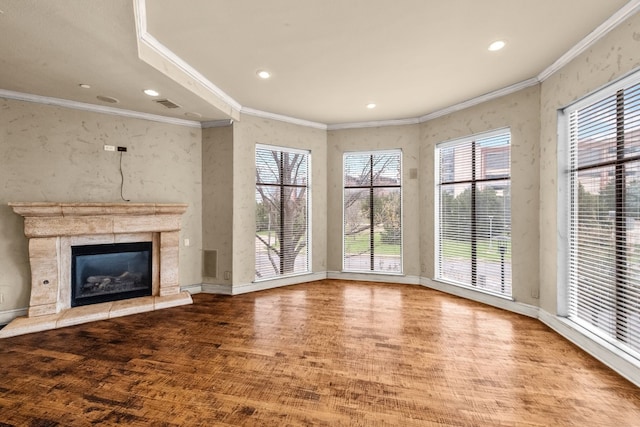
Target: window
(372, 212)
(604, 214)
(473, 211)
(282, 212)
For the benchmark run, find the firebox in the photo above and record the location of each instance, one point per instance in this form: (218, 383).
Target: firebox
(111, 272)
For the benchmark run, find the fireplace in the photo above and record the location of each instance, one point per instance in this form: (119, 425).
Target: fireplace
(57, 230)
(110, 272)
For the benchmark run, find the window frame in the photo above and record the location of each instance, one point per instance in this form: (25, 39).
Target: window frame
(471, 139)
(373, 270)
(308, 154)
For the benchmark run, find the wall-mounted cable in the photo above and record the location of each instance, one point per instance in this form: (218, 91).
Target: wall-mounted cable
(122, 179)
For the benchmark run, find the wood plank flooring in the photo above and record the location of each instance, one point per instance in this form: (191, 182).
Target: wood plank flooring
(326, 353)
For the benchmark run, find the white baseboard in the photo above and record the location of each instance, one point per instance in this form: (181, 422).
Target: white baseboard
(608, 354)
(192, 289)
(277, 283)
(492, 300)
(209, 288)
(7, 316)
(374, 277)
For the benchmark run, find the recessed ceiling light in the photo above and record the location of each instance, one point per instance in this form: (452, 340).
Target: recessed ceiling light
(193, 115)
(84, 86)
(497, 45)
(108, 99)
(371, 106)
(151, 92)
(263, 74)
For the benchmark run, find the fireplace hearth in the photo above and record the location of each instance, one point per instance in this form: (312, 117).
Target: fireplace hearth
(111, 272)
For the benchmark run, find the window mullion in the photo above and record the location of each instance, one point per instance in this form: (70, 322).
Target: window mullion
(474, 231)
(620, 219)
(372, 242)
(282, 219)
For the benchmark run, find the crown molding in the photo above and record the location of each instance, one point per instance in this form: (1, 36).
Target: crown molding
(602, 30)
(480, 99)
(281, 118)
(374, 124)
(156, 50)
(59, 102)
(216, 124)
(439, 113)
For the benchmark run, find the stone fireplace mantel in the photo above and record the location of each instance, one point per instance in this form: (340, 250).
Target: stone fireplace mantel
(53, 228)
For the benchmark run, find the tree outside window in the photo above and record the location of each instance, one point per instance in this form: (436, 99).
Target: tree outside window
(282, 203)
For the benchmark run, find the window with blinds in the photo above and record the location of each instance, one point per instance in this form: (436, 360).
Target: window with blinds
(604, 224)
(282, 212)
(372, 212)
(473, 225)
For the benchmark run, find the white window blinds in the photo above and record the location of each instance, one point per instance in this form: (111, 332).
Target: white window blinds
(474, 212)
(282, 212)
(372, 212)
(604, 244)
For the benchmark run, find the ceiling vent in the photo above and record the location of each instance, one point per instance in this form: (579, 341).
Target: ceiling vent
(167, 103)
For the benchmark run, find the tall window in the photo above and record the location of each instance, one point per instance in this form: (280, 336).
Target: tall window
(604, 224)
(372, 210)
(282, 212)
(473, 226)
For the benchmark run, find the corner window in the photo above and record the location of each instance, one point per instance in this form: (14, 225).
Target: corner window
(473, 211)
(372, 212)
(282, 212)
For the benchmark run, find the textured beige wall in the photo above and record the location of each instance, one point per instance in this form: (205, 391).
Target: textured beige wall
(248, 132)
(56, 154)
(519, 112)
(217, 198)
(613, 56)
(383, 138)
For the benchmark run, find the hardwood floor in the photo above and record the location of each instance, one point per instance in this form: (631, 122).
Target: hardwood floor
(324, 353)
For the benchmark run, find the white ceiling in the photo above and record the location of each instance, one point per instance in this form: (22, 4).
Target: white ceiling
(329, 58)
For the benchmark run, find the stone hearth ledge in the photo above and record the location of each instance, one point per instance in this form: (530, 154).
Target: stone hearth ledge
(92, 313)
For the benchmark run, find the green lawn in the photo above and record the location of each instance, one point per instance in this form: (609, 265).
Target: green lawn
(486, 250)
(359, 243)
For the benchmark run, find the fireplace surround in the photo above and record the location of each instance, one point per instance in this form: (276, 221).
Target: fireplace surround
(53, 229)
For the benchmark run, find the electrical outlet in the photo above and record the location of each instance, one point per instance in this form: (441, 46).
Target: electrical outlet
(227, 275)
(123, 149)
(535, 293)
(187, 242)
(109, 148)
